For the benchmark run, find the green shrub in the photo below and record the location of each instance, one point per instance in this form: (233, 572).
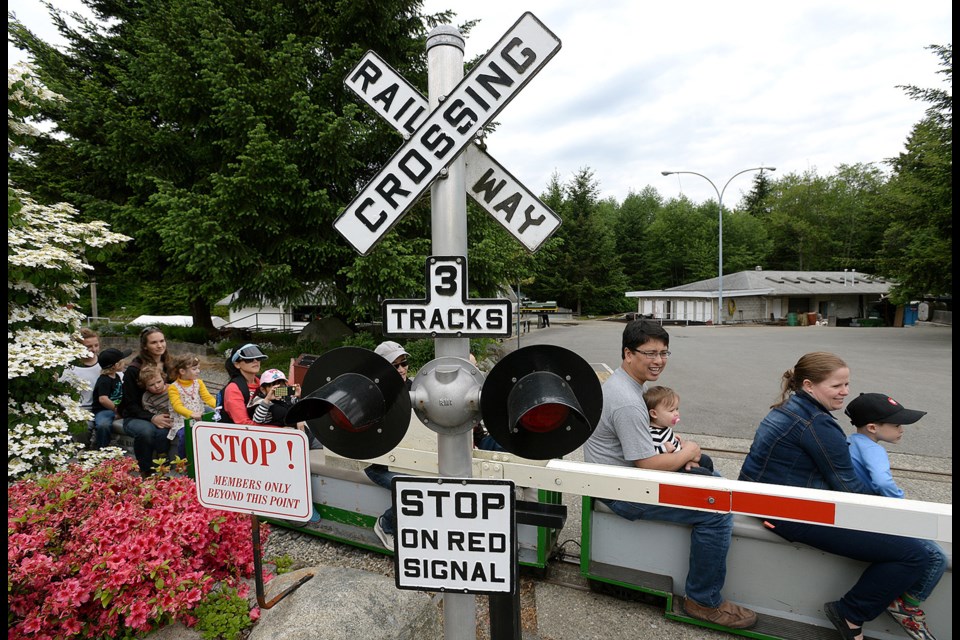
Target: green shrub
(362, 339)
(283, 564)
(194, 335)
(223, 615)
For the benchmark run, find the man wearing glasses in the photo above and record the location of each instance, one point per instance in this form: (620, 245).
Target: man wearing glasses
(622, 438)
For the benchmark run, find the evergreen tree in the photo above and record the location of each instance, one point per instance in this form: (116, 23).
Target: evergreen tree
(219, 136)
(584, 274)
(917, 249)
(681, 244)
(755, 202)
(630, 232)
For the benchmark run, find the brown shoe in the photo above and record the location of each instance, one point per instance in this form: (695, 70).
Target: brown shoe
(727, 614)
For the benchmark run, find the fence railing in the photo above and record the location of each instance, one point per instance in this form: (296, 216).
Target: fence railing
(265, 321)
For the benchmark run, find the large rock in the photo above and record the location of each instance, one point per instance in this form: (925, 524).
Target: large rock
(346, 604)
(326, 331)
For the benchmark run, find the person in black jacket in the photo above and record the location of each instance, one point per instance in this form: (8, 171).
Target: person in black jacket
(148, 430)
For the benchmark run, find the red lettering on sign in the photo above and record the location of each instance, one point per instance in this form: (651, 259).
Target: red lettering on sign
(231, 447)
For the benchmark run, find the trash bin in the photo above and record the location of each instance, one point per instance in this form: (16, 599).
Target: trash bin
(300, 366)
(791, 319)
(812, 318)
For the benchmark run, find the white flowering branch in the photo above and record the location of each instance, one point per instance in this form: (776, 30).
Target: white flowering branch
(46, 270)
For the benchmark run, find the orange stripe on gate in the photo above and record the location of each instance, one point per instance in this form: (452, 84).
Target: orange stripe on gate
(779, 507)
(692, 497)
(749, 503)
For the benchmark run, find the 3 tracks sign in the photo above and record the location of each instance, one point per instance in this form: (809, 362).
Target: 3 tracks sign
(447, 311)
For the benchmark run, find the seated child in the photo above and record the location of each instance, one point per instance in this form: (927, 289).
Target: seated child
(155, 398)
(188, 397)
(663, 403)
(107, 395)
(272, 410)
(879, 418)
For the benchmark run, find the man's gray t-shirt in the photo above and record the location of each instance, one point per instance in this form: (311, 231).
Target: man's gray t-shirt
(623, 433)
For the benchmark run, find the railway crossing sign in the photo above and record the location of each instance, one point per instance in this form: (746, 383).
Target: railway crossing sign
(447, 312)
(490, 185)
(444, 133)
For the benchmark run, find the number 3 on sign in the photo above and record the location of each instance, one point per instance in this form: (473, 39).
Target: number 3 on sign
(446, 278)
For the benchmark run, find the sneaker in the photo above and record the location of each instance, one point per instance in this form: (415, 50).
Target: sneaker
(385, 538)
(727, 614)
(911, 618)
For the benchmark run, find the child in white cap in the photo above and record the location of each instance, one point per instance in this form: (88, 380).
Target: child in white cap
(271, 408)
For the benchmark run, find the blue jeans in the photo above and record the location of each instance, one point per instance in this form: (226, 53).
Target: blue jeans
(181, 439)
(149, 441)
(937, 564)
(488, 443)
(709, 542)
(897, 564)
(381, 475)
(705, 468)
(103, 426)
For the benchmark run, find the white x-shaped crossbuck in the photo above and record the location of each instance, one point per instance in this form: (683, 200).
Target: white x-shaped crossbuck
(435, 138)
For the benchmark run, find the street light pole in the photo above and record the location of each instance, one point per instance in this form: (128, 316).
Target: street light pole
(720, 193)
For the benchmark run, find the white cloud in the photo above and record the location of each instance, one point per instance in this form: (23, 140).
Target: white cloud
(712, 87)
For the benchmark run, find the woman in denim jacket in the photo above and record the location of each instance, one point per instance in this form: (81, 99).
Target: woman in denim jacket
(800, 444)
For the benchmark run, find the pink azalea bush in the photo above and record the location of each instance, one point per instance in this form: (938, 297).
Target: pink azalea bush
(102, 553)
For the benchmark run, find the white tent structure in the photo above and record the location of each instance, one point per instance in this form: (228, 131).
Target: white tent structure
(172, 321)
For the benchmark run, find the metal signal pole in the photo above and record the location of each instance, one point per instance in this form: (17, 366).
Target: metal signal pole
(448, 223)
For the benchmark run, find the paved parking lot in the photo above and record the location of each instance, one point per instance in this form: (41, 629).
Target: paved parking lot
(729, 376)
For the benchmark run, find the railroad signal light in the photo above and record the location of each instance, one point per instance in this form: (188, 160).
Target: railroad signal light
(355, 403)
(541, 402)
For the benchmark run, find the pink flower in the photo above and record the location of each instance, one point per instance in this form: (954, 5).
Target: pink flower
(92, 551)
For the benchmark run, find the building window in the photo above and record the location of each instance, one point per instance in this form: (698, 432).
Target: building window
(306, 313)
(798, 305)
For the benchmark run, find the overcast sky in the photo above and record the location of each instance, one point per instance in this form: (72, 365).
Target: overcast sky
(712, 86)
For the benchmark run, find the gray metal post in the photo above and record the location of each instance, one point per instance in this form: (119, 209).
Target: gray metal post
(720, 193)
(93, 298)
(448, 223)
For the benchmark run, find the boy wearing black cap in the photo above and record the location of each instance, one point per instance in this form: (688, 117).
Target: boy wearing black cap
(107, 394)
(879, 418)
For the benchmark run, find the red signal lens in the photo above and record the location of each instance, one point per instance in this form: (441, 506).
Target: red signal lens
(341, 421)
(545, 418)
